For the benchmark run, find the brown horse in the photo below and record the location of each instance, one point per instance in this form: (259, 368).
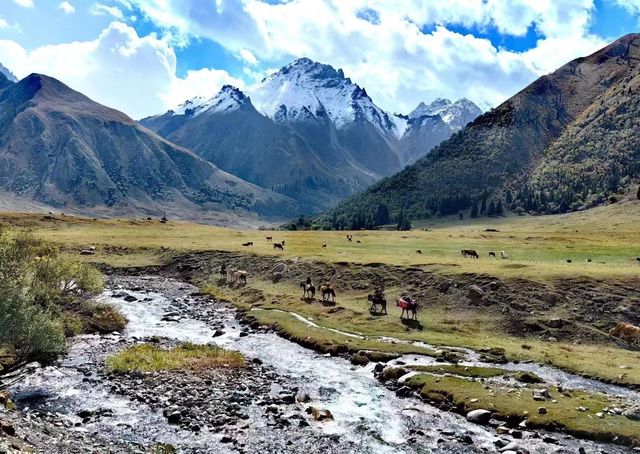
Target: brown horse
(626, 332)
(223, 271)
(409, 307)
(469, 253)
(269, 238)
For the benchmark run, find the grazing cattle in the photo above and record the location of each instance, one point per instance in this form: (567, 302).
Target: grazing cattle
(324, 246)
(503, 255)
(588, 260)
(358, 241)
(269, 238)
(469, 253)
(492, 254)
(328, 292)
(349, 238)
(569, 260)
(377, 299)
(241, 276)
(409, 307)
(278, 246)
(626, 332)
(282, 242)
(248, 243)
(638, 259)
(418, 251)
(308, 290)
(223, 271)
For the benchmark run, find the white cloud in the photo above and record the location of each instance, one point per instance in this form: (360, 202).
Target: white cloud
(120, 69)
(67, 7)
(383, 45)
(24, 3)
(3, 22)
(98, 9)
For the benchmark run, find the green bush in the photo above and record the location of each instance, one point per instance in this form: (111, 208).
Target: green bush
(44, 297)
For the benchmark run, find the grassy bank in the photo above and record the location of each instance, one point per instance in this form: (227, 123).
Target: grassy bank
(579, 413)
(151, 358)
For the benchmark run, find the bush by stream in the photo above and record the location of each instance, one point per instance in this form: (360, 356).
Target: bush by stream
(45, 297)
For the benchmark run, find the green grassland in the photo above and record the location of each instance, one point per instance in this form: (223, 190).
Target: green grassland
(537, 247)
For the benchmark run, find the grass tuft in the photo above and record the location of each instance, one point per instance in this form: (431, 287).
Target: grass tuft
(188, 356)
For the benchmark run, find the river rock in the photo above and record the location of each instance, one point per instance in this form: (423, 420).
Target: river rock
(7, 428)
(511, 447)
(633, 413)
(475, 293)
(479, 416)
(130, 298)
(303, 398)
(405, 391)
(320, 414)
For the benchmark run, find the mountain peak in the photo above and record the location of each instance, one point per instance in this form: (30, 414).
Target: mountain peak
(7, 74)
(228, 99)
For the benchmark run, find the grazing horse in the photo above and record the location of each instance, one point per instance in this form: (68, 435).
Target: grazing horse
(358, 241)
(223, 271)
(469, 253)
(409, 307)
(377, 299)
(269, 238)
(418, 251)
(492, 254)
(308, 290)
(328, 292)
(278, 246)
(242, 276)
(248, 243)
(324, 246)
(626, 332)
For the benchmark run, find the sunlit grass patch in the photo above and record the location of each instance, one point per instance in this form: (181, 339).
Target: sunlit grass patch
(188, 356)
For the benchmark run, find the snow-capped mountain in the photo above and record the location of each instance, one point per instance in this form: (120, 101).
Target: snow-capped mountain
(307, 131)
(8, 74)
(228, 99)
(304, 88)
(457, 115)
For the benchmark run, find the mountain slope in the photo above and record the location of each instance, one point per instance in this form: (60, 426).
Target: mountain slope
(505, 150)
(59, 148)
(306, 131)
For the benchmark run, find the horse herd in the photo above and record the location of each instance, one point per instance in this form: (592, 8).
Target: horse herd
(474, 255)
(309, 291)
(233, 275)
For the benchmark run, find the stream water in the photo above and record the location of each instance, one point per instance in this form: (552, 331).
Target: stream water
(365, 412)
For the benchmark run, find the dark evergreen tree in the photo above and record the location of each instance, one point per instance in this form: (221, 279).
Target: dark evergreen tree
(499, 208)
(491, 211)
(638, 193)
(382, 215)
(483, 206)
(474, 209)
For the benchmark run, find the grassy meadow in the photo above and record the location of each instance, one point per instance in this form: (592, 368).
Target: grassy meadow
(537, 247)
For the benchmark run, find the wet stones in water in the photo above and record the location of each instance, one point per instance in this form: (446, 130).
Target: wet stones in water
(404, 391)
(130, 298)
(479, 416)
(633, 413)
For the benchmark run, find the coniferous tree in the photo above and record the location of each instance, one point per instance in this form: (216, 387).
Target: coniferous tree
(499, 208)
(483, 206)
(382, 215)
(638, 194)
(492, 209)
(474, 209)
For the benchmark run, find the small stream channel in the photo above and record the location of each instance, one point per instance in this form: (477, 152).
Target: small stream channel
(366, 414)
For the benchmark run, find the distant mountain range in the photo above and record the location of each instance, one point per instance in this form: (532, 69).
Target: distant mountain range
(308, 132)
(59, 148)
(568, 141)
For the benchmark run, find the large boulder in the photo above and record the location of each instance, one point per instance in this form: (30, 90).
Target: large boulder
(633, 413)
(479, 416)
(476, 293)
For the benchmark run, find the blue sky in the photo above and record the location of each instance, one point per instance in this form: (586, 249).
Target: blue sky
(144, 56)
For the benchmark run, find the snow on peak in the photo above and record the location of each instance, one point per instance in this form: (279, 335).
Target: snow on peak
(456, 114)
(435, 108)
(228, 99)
(306, 89)
(8, 74)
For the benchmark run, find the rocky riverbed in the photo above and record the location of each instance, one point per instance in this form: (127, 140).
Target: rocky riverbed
(287, 399)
